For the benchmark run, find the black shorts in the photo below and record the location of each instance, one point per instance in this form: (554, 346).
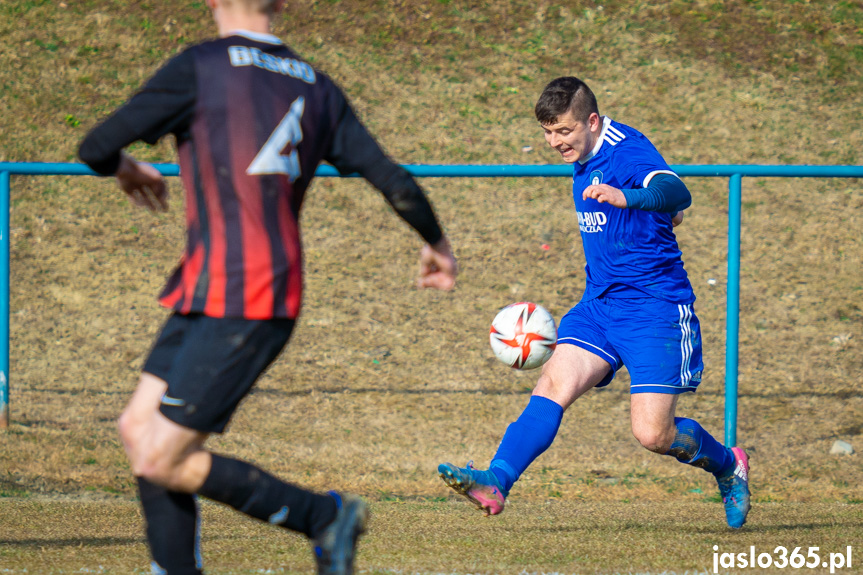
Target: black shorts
(210, 364)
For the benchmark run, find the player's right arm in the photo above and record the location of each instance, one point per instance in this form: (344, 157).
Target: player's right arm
(164, 105)
(354, 150)
(666, 193)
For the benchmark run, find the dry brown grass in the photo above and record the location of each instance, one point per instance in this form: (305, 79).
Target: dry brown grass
(71, 536)
(382, 382)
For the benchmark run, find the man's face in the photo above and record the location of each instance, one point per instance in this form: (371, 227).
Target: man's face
(571, 138)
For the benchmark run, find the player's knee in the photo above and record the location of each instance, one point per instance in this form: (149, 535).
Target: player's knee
(145, 458)
(655, 440)
(155, 468)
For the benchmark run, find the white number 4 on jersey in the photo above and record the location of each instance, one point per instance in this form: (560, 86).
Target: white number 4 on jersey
(270, 159)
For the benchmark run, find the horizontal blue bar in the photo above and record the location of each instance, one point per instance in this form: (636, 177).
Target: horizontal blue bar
(68, 169)
(490, 170)
(769, 171)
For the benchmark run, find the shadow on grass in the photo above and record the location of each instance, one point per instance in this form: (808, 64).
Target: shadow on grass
(74, 542)
(99, 541)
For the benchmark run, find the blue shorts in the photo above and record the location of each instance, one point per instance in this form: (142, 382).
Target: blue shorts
(658, 342)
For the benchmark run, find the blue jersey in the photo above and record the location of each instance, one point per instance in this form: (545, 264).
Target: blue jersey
(628, 252)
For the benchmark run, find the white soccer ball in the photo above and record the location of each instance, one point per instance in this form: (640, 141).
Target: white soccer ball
(523, 335)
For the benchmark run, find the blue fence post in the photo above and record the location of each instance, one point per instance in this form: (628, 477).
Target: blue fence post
(734, 172)
(732, 313)
(4, 299)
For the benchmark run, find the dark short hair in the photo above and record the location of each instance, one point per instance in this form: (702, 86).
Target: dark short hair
(563, 95)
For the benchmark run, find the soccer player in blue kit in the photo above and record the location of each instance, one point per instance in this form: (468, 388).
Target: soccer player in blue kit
(636, 309)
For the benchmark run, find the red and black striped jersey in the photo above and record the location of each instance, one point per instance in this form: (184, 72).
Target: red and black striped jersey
(252, 122)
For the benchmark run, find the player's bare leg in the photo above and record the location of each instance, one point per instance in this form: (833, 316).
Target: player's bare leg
(652, 416)
(656, 428)
(171, 517)
(144, 401)
(171, 456)
(158, 448)
(569, 373)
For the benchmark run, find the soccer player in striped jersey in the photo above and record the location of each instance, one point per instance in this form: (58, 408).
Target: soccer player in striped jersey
(252, 121)
(636, 310)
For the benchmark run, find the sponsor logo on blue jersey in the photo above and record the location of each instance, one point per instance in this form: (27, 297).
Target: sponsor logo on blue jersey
(591, 222)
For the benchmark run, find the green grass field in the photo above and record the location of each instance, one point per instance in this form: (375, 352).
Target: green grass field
(382, 382)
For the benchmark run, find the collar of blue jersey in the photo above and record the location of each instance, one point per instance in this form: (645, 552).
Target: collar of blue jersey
(257, 36)
(606, 122)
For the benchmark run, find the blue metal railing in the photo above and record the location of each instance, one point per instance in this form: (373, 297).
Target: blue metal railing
(735, 173)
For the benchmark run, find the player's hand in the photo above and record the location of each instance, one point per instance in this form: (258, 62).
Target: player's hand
(143, 183)
(605, 194)
(438, 267)
(677, 219)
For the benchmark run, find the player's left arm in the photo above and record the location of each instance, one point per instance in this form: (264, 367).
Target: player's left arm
(354, 149)
(665, 193)
(143, 183)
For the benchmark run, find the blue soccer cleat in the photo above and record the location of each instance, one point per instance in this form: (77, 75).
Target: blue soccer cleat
(336, 545)
(481, 487)
(734, 488)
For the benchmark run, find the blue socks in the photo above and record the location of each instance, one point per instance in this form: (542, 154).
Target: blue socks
(525, 439)
(534, 431)
(694, 446)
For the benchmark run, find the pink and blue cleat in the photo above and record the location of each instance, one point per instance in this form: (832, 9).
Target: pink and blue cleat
(734, 488)
(482, 488)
